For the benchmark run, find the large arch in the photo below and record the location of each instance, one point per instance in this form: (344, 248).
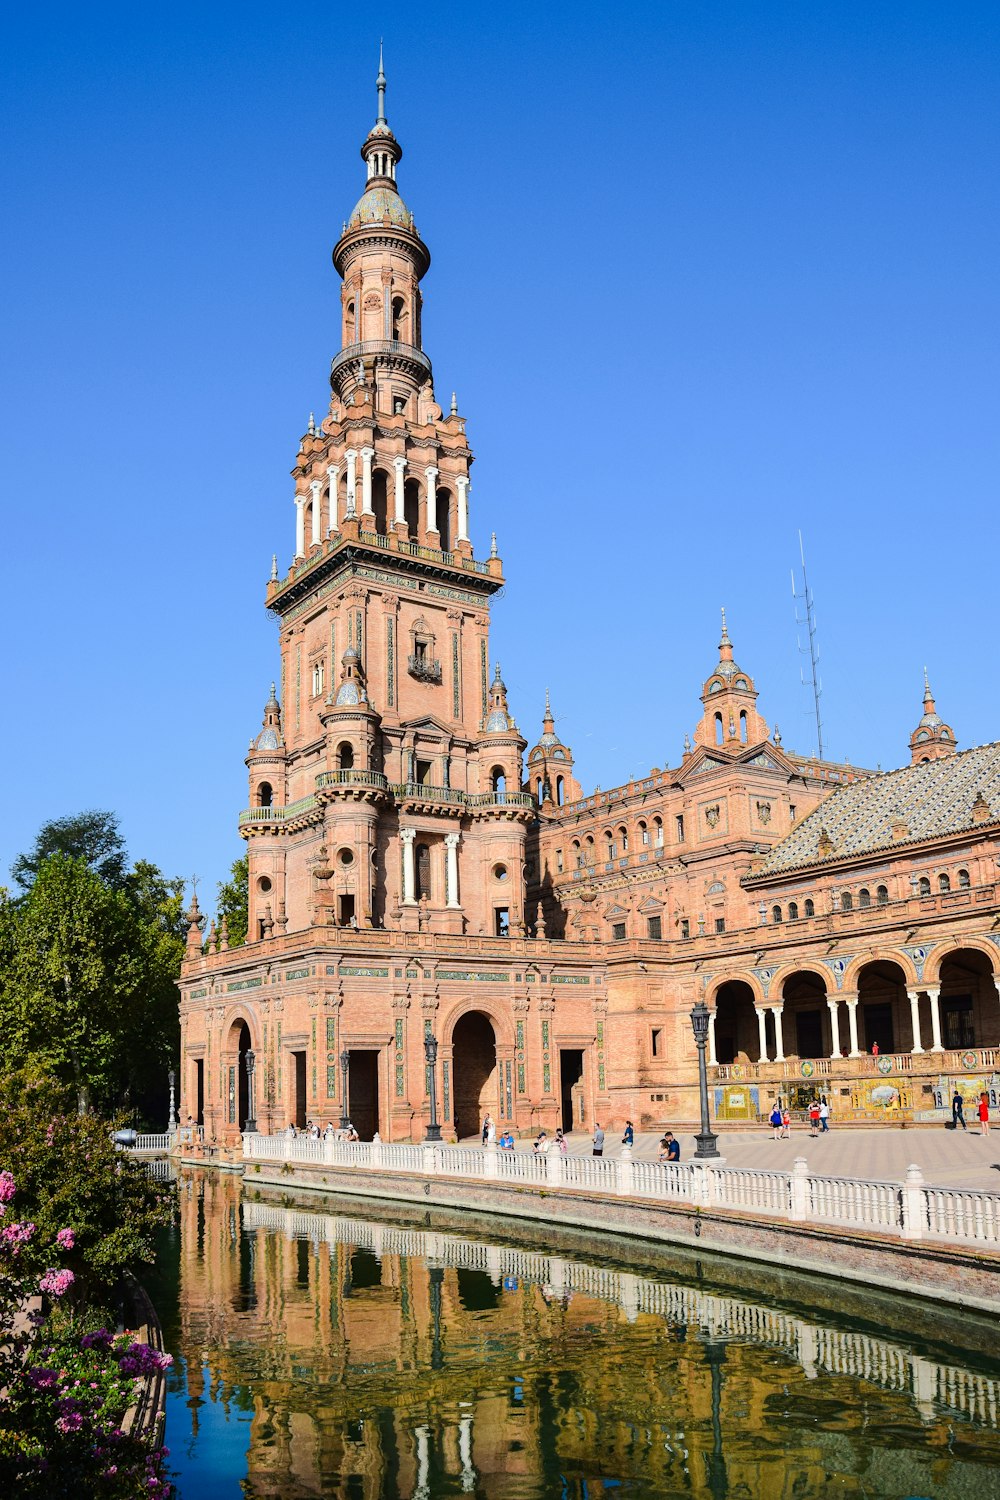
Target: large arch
(737, 1034)
(805, 1013)
(943, 951)
(475, 1072)
(852, 973)
(884, 1017)
(969, 1006)
(237, 1045)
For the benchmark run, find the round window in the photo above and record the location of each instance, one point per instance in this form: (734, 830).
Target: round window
(499, 872)
(264, 884)
(346, 857)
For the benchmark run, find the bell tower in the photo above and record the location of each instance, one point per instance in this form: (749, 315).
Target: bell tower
(730, 720)
(388, 812)
(933, 738)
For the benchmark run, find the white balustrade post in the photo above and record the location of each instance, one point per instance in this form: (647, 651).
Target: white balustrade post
(914, 998)
(762, 1032)
(625, 1178)
(800, 1190)
(332, 519)
(329, 1150)
(711, 1059)
(490, 1152)
(286, 1148)
(913, 1204)
(399, 464)
(432, 521)
(408, 835)
(700, 1185)
(933, 995)
(317, 517)
(462, 484)
(852, 1022)
(430, 1155)
(451, 848)
(367, 454)
(554, 1167)
(247, 1147)
(351, 459)
(779, 1040)
(833, 1006)
(376, 1157)
(300, 525)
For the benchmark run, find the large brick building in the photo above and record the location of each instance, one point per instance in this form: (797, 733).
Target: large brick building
(411, 874)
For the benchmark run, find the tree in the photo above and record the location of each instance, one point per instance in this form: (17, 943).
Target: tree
(91, 836)
(234, 901)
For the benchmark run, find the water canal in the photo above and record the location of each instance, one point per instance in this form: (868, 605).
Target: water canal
(322, 1352)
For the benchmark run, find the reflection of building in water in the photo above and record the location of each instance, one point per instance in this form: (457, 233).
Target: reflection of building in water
(383, 1359)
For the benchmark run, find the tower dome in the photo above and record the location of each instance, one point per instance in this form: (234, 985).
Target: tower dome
(932, 738)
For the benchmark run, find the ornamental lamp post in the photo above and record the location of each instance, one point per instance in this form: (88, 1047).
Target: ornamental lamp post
(707, 1140)
(250, 1062)
(345, 1063)
(430, 1053)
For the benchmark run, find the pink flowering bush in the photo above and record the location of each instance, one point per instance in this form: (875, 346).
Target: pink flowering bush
(66, 1386)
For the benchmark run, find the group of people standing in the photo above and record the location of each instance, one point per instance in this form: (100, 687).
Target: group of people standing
(818, 1114)
(982, 1113)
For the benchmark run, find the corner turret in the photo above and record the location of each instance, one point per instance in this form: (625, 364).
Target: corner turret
(933, 738)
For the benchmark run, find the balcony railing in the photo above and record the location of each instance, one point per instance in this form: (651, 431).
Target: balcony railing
(353, 776)
(424, 668)
(418, 791)
(278, 814)
(500, 799)
(369, 347)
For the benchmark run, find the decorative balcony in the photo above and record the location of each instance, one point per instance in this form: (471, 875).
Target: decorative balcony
(353, 776)
(424, 668)
(418, 791)
(288, 813)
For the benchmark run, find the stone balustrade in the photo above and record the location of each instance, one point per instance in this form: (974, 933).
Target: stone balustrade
(910, 1210)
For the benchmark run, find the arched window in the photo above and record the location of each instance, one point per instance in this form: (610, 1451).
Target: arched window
(623, 839)
(444, 519)
(264, 794)
(925, 885)
(743, 725)
(560, 791)
(944, 883)
(317, 678)
(719, 732)
(847, 901)
(810, 907)
(864, 897)
(411, 509)
(590, 848)
(399, 319)
(643, 834)
(380, 501)
(345, 755)
(498, 780)
(350, 332)
(538, 788)
(775, 913)
(793, 911)
(658, 833)
(882, 895)
(609, 843)
(423, 872)
(963, 880)
(577, 856)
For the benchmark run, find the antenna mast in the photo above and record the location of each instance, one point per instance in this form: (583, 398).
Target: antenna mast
(808, 624)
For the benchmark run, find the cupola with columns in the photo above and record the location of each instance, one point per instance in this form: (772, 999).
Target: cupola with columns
(933, 738)
(550, 766)
(730, 719)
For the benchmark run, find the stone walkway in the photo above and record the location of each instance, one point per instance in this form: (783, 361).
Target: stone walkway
(945, 1157)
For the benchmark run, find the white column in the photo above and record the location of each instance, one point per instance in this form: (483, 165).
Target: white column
(351, 459)
(432, 499)
(317, 534)
(914, 999)
(933, 996)
(399, 464)
(367, 454)
(712, 1060)
(300, 525)
(834, 1008)
(762, 1029)
(331, 475)
(779, 1040)
(451, 845)
(852, 1021)
(409, 869)
(462, 482)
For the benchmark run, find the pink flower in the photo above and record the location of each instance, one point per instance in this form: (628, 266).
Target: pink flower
(71, 1423)
(16, 1235)
(56, 1282)
(7, 1188)
(65, 1239)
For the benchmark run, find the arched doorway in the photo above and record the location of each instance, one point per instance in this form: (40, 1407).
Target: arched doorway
(736, 1029)
(805, 1030)
(884, 1015)
(970, 1014)
(238, 1098)
(476, 1078)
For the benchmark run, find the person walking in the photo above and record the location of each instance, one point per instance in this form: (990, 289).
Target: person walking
(814, 1117)
(598, 1140)
(487, 1122)
(958, 1112)
(628, 1138)
(984, 1115)
(775, 1118)
(786, 1124)
(824, 1116)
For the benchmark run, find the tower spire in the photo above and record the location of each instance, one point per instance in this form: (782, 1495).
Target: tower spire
(380, 85)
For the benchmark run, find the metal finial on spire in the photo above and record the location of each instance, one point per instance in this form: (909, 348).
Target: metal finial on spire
(548, 705)
(380, 85)
(274, 567)
(927, 686)
(725, 632)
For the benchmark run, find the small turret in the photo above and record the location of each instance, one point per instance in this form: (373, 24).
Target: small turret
(933, 738)
(730, 719)
(550, 765)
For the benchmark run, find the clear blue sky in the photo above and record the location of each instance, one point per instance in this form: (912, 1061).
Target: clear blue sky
(703, 274)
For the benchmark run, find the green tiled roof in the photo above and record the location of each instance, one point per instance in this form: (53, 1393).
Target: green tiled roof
(932, 799)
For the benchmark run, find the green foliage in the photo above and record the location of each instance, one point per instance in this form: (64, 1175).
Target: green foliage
(234, 901)
(91, 836)
(70, 1175)
(87, 979)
